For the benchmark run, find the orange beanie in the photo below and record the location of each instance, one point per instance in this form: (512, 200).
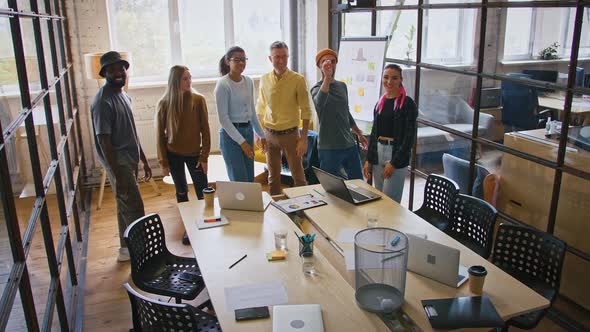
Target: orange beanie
(323, 52)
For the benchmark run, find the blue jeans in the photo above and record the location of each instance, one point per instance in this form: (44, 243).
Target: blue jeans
(394, 186)
(239, 167)
(176, 163)
(333, 161)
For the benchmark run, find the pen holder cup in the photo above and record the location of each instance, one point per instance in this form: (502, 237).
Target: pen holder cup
(305, 248)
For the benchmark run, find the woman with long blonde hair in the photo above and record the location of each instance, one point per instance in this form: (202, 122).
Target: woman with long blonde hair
(183, 136)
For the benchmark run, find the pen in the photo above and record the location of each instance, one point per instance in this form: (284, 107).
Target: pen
(212, 219)
(239, 260)
(319, 193)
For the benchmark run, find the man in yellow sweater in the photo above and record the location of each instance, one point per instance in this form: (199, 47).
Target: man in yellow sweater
(283, 100)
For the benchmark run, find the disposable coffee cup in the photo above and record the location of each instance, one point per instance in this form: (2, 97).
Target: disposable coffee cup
(477, 277)
(209, 195)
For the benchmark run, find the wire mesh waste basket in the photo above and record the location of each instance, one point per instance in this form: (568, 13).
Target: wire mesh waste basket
(381, 259)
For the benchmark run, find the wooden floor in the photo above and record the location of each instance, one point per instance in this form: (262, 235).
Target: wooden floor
(106, 304)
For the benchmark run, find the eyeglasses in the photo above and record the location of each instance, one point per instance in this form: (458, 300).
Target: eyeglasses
(238, 59)
(280, 57)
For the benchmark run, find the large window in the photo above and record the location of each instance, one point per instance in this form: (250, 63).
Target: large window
(530, 30)
(448, 33)
(194, 33)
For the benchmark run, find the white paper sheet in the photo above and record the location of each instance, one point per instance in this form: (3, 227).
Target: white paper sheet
(255, 295)
(349, 260)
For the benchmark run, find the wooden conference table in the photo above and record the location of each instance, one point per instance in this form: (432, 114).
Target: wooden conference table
(251, 233)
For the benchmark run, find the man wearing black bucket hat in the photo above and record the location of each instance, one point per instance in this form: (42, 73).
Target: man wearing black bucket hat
(117, 144)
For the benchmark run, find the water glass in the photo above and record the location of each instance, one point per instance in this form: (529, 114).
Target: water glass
(308, 263)
(281, 239)
(372, 218)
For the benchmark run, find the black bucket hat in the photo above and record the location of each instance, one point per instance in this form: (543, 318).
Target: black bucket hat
(110, 58)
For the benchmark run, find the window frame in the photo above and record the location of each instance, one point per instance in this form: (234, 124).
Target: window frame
(174, 25)
(563, 50)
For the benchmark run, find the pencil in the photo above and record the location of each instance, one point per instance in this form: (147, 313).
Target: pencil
(239, 260)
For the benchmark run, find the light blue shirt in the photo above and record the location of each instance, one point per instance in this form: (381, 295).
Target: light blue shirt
(235, 104)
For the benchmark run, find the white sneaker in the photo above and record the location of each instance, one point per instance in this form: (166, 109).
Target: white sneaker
(123, 255)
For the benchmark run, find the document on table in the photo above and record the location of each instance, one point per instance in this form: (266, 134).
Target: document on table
(255, 295)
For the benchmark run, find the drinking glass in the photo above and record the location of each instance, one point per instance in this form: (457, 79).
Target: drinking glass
(281, 239)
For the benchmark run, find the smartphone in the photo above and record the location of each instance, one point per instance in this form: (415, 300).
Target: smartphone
(191, 277)
(252, 313)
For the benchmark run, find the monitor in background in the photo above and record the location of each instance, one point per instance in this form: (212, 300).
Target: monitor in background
(579, 76)
(542, 75)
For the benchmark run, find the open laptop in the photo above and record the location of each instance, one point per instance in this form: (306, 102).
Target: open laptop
(297, 318)
(436, 261)
(246, 196)
(336, 186)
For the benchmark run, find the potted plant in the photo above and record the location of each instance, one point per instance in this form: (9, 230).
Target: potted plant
(549, 52)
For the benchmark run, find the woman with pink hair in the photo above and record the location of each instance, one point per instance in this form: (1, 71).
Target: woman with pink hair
(392, 136)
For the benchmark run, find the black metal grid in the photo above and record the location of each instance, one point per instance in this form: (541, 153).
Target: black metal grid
(67, 149)
(558, 166)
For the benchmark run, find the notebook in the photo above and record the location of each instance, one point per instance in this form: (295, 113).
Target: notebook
(462, 312)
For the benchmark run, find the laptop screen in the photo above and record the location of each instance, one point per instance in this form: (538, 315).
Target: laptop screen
(333, 184)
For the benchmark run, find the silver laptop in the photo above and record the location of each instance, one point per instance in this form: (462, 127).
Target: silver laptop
(297, 318)
(246, 196)
(336, 186)
(436, 261)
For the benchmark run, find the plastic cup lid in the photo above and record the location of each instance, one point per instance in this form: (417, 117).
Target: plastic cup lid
(478, 271)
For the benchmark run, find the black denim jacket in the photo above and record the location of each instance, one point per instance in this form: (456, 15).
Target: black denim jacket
(404, 134)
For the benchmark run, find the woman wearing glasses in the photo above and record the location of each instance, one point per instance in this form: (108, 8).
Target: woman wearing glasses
(234, 94)
(392, 136)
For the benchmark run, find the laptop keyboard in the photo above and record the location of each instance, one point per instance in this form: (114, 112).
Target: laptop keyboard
(460, 277)
(356, 196)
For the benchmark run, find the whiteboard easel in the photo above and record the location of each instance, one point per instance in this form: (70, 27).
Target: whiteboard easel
(360, 63)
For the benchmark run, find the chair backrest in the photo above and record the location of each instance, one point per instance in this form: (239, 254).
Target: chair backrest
(152, 315)
(439, 193)
(519, 103)
(146, 241)
(457, 169)
(531, 256)
(472, 223)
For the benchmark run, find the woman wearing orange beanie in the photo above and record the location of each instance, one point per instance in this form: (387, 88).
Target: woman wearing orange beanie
(336, 144)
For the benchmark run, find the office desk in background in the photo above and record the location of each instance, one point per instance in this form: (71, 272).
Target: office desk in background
(579, 111)
(510, 296)
(525, 194)
(251, 233)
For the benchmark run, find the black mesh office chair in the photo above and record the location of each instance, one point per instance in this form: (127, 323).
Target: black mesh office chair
(152, 315)
(439, 194)
(154, 269)
(533, 257)
(472, 223)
